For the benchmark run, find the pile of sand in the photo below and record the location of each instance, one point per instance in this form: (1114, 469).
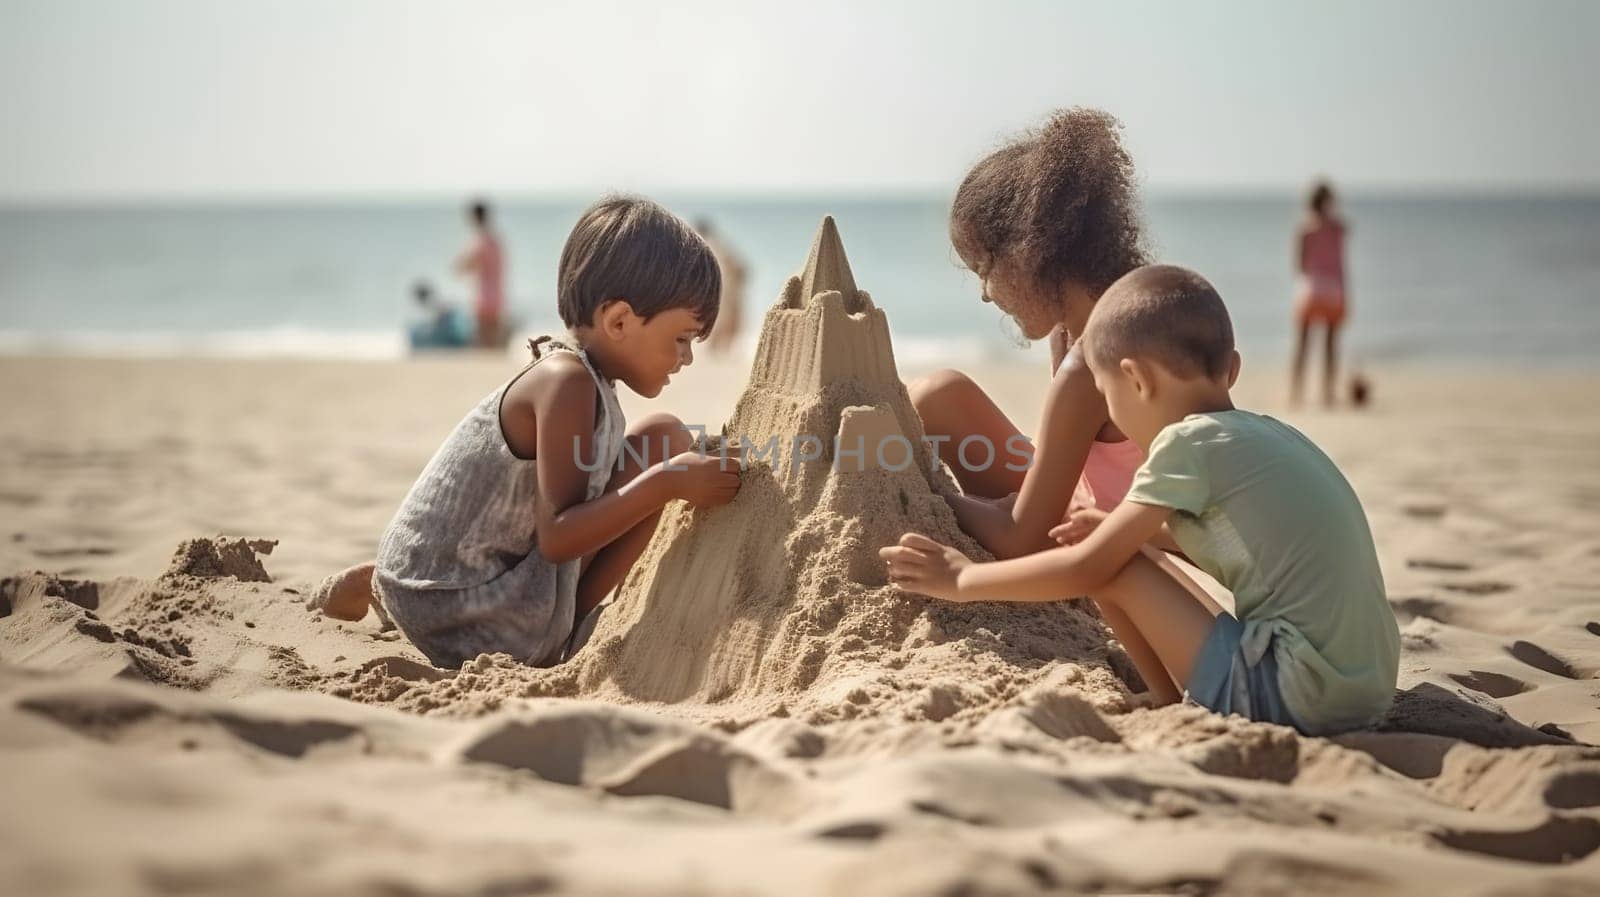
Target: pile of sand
(779, 599)
(211, 622)
(219, 557)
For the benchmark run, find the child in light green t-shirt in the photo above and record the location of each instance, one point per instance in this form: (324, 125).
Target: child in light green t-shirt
(1312, 642)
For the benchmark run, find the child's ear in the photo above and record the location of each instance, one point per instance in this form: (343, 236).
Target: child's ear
(1143, 385)
(613, 318)
(1234, 364)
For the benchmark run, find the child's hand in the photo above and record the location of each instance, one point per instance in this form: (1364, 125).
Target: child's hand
(1079, 525)
(705, 480)
(919, 564)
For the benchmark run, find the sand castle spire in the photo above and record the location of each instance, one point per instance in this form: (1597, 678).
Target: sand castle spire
(827, 268)
(835, 467)
(823, 330)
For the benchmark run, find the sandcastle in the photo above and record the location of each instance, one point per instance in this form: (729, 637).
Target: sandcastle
(781, 592)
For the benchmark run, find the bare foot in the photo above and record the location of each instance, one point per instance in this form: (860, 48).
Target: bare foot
(345, 595)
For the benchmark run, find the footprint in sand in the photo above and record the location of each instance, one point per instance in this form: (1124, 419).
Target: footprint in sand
(1555, 840)
(1540, 659)
(854, 831)
(1478, 587)
(1423, 511)
(76, 552)
(1425, 606)
(1430, 564)
(112, 717)
(1495, 685)
(1574, 790)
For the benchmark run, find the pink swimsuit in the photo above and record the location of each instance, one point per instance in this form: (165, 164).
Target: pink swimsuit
(491, 276)
(1107, 474)
(1321, 294)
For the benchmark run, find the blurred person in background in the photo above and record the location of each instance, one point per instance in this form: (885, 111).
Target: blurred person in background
(484, 262)
(440, 325)
(726, 333)
(1320, 289)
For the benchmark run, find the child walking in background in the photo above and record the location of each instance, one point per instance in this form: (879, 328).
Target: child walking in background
(1312, 641)
(1321, 298)
(531, 512)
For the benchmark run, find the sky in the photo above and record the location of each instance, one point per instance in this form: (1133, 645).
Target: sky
(301, 98)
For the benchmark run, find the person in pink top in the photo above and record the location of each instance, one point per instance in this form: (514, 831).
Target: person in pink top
(1320, 290)
(485, 263)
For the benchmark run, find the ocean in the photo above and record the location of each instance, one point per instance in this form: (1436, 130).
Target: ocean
(1451, 278)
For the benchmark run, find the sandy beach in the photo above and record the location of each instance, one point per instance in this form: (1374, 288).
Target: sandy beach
(180, 724)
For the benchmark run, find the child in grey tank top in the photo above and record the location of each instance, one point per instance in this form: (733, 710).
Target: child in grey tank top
(459, 567)
(530, 513)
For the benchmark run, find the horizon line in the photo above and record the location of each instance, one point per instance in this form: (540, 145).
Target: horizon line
(287, 198)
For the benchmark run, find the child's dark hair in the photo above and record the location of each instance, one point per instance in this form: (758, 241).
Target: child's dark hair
(1321, 194)
(629, 248)
(1164, 313)
(478, 209)
(1059, 201)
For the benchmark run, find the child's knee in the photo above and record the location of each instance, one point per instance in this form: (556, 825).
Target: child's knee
(663, 435)
(1129, 580)
(938, 387)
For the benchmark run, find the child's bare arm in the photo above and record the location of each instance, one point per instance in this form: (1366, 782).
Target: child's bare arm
(560, 402)
(919, 564)
(1083, 521)
(1164, 541)
(1073, 415)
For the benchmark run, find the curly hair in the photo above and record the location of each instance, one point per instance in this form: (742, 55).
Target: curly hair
(1058, 201)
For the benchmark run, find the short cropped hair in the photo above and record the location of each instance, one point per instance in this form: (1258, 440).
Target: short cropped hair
(629, 248)
(479, 210)
(1164, 313)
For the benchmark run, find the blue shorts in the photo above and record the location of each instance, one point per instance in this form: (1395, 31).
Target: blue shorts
(1224, 682)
